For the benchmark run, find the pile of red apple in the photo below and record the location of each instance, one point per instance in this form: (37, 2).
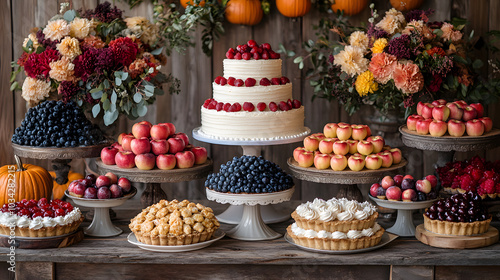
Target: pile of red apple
(153, 145)
(343, 145)
(102, 187)
(456, 118)
(405, 188)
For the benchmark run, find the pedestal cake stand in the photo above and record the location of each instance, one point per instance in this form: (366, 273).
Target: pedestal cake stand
(101, 225)
(348, 179)
(251, 226)
(153, 178)
(234, 213)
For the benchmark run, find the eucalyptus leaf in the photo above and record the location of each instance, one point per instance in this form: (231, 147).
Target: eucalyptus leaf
(141, 110)
(79, 102)
(106, 105)
(137, 97)
(13, 86)
(96, 109)
(112, 108)
(118, 81)
(114, 97)
(106, 83)
(104, 97)
(149, 88)
(157, 51)
(110, 117)
(70, 15)
(96, 94)
(124, 76)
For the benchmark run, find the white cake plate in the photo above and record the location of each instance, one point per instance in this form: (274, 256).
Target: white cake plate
(251, 227)
(232, 215)
(101, 225)
(404, 222)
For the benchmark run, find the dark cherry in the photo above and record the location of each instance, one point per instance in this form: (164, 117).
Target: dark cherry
(454, 209)
(472, 212)
(432, 208)
(461, 218)
(450, 218)
(448, 204)
(440, 209)
(441, 216)
(461, 211)
(432, 216)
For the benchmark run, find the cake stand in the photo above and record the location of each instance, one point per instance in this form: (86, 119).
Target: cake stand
(251, 227)
(233, 214)
(101, 225)
(404, 222)
(447, 145)
(153, 178)
(61, 157)
(348, 179)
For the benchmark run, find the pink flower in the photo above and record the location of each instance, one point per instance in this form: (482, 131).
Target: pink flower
(382, 65)
(408, 78)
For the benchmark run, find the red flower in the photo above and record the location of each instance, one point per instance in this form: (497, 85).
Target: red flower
(37, 65)
(436, 50)
(124, 50)
(22, 59)
(436, 83)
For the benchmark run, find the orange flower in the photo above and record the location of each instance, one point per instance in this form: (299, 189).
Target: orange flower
(436, 50)
(382, 65)
(408, 78)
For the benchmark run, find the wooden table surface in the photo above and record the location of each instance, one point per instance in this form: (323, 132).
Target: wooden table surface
(404, 257)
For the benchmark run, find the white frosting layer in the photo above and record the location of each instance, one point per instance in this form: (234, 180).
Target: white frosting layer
(255, 94)
(257, 69)
(7, 219)
(252, 125)
(335, 209)
(352, 234)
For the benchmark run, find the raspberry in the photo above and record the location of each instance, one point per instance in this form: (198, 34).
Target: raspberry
(276, 81)
(212, 105)
(230, 81)
(488, 186)
(246, 56)
(226, 107)
(237, 56)
(240, 48)
(284, 106)
(274, 55)
(254, 50)
(476, 174)
(219, 106)
(217, 80)
(466, 182)
(238, 106)
(488, 174)
(290, 103)
(256, 56)
(261, 106)
(265, 55)
(205, 105)
(252, 43)
(284, 80)
(250, 82)
(232, 108)
(231, 50)
(266, 46)
(223, 81)
(229, 55)
(296, 104)
(247, 106)
(273, 107)
(265, 82)
(238, 82)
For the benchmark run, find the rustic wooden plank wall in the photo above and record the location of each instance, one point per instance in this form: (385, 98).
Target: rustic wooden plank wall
(197, 72)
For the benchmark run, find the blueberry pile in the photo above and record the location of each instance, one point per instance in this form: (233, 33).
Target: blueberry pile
(249, 174)
(465, 207)
(56, 124)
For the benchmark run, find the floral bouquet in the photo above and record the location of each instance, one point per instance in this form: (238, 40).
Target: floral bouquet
(396, 61)
(96, 58)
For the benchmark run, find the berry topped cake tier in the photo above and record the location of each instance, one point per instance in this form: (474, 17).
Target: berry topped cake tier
(252, 100)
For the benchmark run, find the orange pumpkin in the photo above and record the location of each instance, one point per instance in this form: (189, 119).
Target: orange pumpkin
(58, 190)
(185, 3)
(293, 8)
(406, 5)
(247, 12)
(24, 181)
(350, 7)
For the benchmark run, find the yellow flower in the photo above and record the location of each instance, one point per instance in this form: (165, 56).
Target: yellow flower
(351, 60)
(62, 70)
(365, 84)
(69, 47)
(379, 45)
(56, 29)
(359, 39)
(35, 90)
(80, 28)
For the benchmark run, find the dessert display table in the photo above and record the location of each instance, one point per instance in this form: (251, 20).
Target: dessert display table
(446, 146)
(348, 179)
(101, 225)
(61, 157)
(153, 178)
(251, 148)
(251, 226)
(403, 258)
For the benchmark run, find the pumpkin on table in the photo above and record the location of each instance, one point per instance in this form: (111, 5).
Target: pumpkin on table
(350, 7)
(58, 190)
(406, 5)
(293, 8)
(24, 181)
(246, 12)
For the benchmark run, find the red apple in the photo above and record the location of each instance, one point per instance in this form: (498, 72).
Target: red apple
(311, 143)
(166, 162)
(159, 131)
(365, 147)
(393, 193)
(185, 159)
(319, 135)
(456, 112)
(441, 113)
(127, 142)
(359, 132)
(474, 127)
(479, 109)
(330, 130)
(488, 124)
(397, 156)
(438, 128)
(298, 151)
(176, 145)
(423, 126)
(338, 162)
(108, 155)
(306, 159)
(78, 189)
(433, 180)
(374, 189)
(200, 155)
(462, 104)
(125, 184)
(112, 176)
(159, 147)
(102, 181)
(378, 143)
(326, 146)
(373, 162)
(423, 186)
(469, 113)
(387, 159)
(171, 128)
(353, 146)
(409, 195)
(456, 128)
(322, 161)
(125, 159)
(340, 147)
(120, 137)
(117, 146)
(140, 146)
(344, 132)
(141, 129)
(427, 111)
(420, 105)
(188, 147)
(439, 102)
(387, 182)
(411, 122)
(368, 130)
(145, 161)
(356, 163)
(183, 136)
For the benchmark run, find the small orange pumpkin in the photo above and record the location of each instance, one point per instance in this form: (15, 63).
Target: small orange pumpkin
(293, 8)
(24, 181)
(247, 12)
(350, 7)
(58, 190)
(185, 3)
(406, 5)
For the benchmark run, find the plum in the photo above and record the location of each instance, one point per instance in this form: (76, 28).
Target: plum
(90, 193)
(116, 191)
(103, 193)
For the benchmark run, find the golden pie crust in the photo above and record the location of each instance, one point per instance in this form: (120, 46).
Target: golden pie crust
(332, 226)
(456, 228)
(337, 244)
(44, 231)
(174, 223)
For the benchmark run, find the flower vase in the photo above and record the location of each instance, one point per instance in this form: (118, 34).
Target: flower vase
(386, 125)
